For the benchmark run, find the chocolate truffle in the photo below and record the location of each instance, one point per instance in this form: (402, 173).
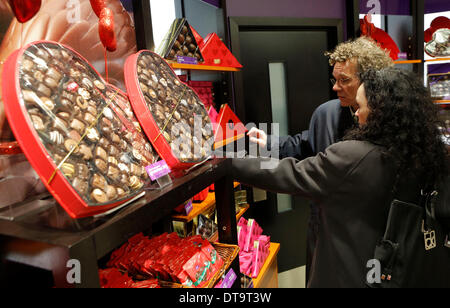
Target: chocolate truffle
(99, 196)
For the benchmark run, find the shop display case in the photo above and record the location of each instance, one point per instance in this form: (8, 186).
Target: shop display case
(70, 222)
(50, 240)
(78, 132)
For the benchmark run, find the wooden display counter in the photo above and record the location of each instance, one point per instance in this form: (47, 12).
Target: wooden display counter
(268, 277)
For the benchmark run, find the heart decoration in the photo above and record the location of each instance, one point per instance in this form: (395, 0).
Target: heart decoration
(106, 30)
(98, 6)
(170, 112)
(24, 10)
(78, 132)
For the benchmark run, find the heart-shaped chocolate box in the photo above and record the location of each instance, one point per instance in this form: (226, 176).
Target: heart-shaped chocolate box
(170, 112)
(78, 132)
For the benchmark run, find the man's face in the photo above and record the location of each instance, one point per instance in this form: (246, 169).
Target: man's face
(347, 82)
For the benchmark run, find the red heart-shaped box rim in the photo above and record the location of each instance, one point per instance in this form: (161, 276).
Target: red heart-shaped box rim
(144, 115)
(32, 147)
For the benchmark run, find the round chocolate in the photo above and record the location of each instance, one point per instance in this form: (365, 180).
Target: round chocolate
(70, 144)
(80, 185)
(113, 151)
(73, 134)
(44, 90)
(113, 173)
(176, 45)
(89, 118)
(38, 123)
(64, 115)
(101, 165)
(27, 65)
(192, 47)
(99, 196)
(86, 152)
(120, 192)
(56, 137)
(68, 170)
(54, 74)
(78, 126)
(99, 181)
(52, 83)
(38, 76)
(135, 183)
(111, 192)
(101, 153)
(93, 135)
(82, 171)
(100, 85)
(184, 30)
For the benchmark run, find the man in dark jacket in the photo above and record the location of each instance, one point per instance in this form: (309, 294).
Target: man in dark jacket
(332, 119)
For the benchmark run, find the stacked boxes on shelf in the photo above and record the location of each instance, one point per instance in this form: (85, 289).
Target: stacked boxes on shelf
(254, 247)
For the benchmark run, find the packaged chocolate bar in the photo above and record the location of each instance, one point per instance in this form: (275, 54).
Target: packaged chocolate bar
(78, 132)
(171, 114)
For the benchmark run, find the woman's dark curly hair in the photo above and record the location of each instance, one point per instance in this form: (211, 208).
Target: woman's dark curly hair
(404, 120)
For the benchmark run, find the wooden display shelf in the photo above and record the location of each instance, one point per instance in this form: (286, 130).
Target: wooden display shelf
(437, 60)
(222, 143)
(34, 242)
(268, 276)
(202, 67)
(407, 61)
(442, 102)
(199, 208)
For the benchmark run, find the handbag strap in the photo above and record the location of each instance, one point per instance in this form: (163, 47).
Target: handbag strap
(426, 200)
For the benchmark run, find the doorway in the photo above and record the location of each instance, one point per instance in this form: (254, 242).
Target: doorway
(284, 79)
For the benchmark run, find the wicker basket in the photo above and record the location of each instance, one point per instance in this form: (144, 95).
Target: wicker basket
(227, 252)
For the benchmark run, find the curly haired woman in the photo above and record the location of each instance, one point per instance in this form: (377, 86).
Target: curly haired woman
(353, 180)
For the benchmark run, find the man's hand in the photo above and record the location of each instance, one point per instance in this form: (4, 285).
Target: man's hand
(258, 136)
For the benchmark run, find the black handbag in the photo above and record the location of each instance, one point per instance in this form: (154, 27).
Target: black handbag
(414, 251)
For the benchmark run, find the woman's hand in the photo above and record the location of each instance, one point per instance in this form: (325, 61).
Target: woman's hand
(258, 136)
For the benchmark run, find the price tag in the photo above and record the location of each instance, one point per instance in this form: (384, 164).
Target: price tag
(229, 280)
(188, 207)
(186, 60)
(157, 170)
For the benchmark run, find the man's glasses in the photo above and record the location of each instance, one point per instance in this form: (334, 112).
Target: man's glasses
(341, 81)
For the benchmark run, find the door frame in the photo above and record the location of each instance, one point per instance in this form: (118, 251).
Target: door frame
(236, 24)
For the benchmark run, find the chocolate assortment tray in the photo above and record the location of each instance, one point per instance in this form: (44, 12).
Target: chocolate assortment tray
(78, 132)
(170, 112)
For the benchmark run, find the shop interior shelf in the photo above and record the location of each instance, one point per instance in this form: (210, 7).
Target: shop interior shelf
(32, 243)
(407, 61)
(267, 277)
(202, 67)
(444, 103)
(199, 208)
(437, 60)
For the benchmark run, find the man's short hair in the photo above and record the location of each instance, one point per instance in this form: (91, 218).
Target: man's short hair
(365, 51)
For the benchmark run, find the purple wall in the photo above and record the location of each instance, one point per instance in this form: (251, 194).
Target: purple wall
(287, 8)
(387, 7)
(434, 6)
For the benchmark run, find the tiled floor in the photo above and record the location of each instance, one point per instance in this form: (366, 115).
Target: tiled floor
(294, 278)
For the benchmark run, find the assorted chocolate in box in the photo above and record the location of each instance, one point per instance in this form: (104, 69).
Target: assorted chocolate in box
(171, 113)
(180, 41)
(78, 132)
